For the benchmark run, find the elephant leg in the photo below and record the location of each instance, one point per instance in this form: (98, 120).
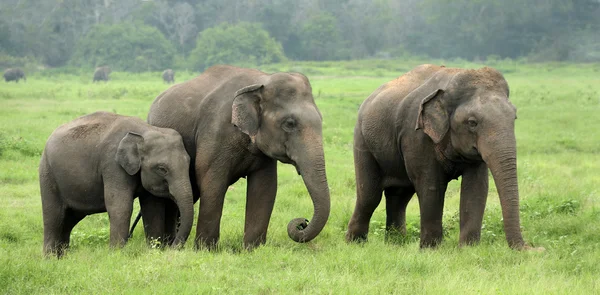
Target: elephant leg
(473, 196)
(368, 195)
(54, 217)
(260, 198)
(120, 219)
(53, 214)
(213, 187)
(153, 216)
(396, 201)
(431, 191)
(119, 205)
(71, 219)
(171, 221)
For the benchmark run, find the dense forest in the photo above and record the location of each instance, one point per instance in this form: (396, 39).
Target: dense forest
(142, 35)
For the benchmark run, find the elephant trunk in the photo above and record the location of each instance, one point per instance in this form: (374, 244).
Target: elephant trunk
(502, 161)
(311, 165)
(182, 195)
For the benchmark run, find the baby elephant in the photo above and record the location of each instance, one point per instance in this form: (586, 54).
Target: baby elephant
(100, 163)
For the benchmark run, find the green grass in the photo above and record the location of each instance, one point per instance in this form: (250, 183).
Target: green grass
(558, 158)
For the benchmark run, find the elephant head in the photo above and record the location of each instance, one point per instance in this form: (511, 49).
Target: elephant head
(163, 164)
(282, 120)
(468, 113)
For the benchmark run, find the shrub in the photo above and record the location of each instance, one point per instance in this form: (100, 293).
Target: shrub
(243, 43)
(26, 63)
(321, 39)
(125, 47)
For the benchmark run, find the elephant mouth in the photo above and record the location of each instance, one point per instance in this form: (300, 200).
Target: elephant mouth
(287, 160)
(160, 191)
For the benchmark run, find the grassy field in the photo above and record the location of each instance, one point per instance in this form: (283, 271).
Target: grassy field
(559, 173)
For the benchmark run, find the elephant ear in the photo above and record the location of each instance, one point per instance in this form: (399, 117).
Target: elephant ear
(433, 115)
(245, 113)
(128, 155)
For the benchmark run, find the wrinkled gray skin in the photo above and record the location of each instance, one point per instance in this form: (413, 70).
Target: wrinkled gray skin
(102, 74)
(14, 74)
(100, 163)
(236, 123)
(427, 127)
(168, 76)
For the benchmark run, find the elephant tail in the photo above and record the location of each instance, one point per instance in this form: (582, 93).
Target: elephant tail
(137, 219)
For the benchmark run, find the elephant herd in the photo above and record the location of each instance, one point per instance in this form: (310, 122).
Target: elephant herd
(413, 135)
(100, 74)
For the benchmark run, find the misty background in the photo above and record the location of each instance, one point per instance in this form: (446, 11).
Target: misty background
(146, 35)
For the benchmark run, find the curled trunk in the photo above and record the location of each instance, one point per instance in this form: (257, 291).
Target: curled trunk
(311, 165)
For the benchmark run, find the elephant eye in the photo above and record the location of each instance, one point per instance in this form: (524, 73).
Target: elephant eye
(289, 125)
(472, 123)
(161, 170)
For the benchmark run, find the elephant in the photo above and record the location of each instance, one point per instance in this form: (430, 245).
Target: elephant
(238, 122)
(429, 126)
(102, 74)
(14, 74)
(99, 163)
(168, 76)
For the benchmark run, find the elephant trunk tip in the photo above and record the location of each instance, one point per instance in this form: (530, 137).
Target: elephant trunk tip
(296, 228)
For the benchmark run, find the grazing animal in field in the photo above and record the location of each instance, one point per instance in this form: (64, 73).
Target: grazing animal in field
(238, 122)
(431, 125)
(102, 74)
(168, 76)
(14, 74)
(100, 163)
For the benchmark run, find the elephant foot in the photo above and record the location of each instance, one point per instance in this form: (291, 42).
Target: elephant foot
(356, 238)
(430, 242)
(357, 233)
(57, 251)
(470, 239)
(206, 244)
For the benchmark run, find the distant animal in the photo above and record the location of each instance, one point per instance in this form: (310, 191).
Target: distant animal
(425, 128)
(168, 76)
(235, 123)
(102, 74)
(14, 74)
(102, 161)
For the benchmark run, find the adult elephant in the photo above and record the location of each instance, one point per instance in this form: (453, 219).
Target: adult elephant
(168, 76)
(238, 122)
(14, 74)
(425, 128)
(102, 74)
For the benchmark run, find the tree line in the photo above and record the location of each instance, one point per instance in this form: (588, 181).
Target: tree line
(141, 35)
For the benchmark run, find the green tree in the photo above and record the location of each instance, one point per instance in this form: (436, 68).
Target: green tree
(320, 39)
(243, 43)
(126, 47)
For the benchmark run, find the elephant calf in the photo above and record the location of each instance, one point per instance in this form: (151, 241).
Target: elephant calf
(14, 74)
(100, 163)
(433, 124)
